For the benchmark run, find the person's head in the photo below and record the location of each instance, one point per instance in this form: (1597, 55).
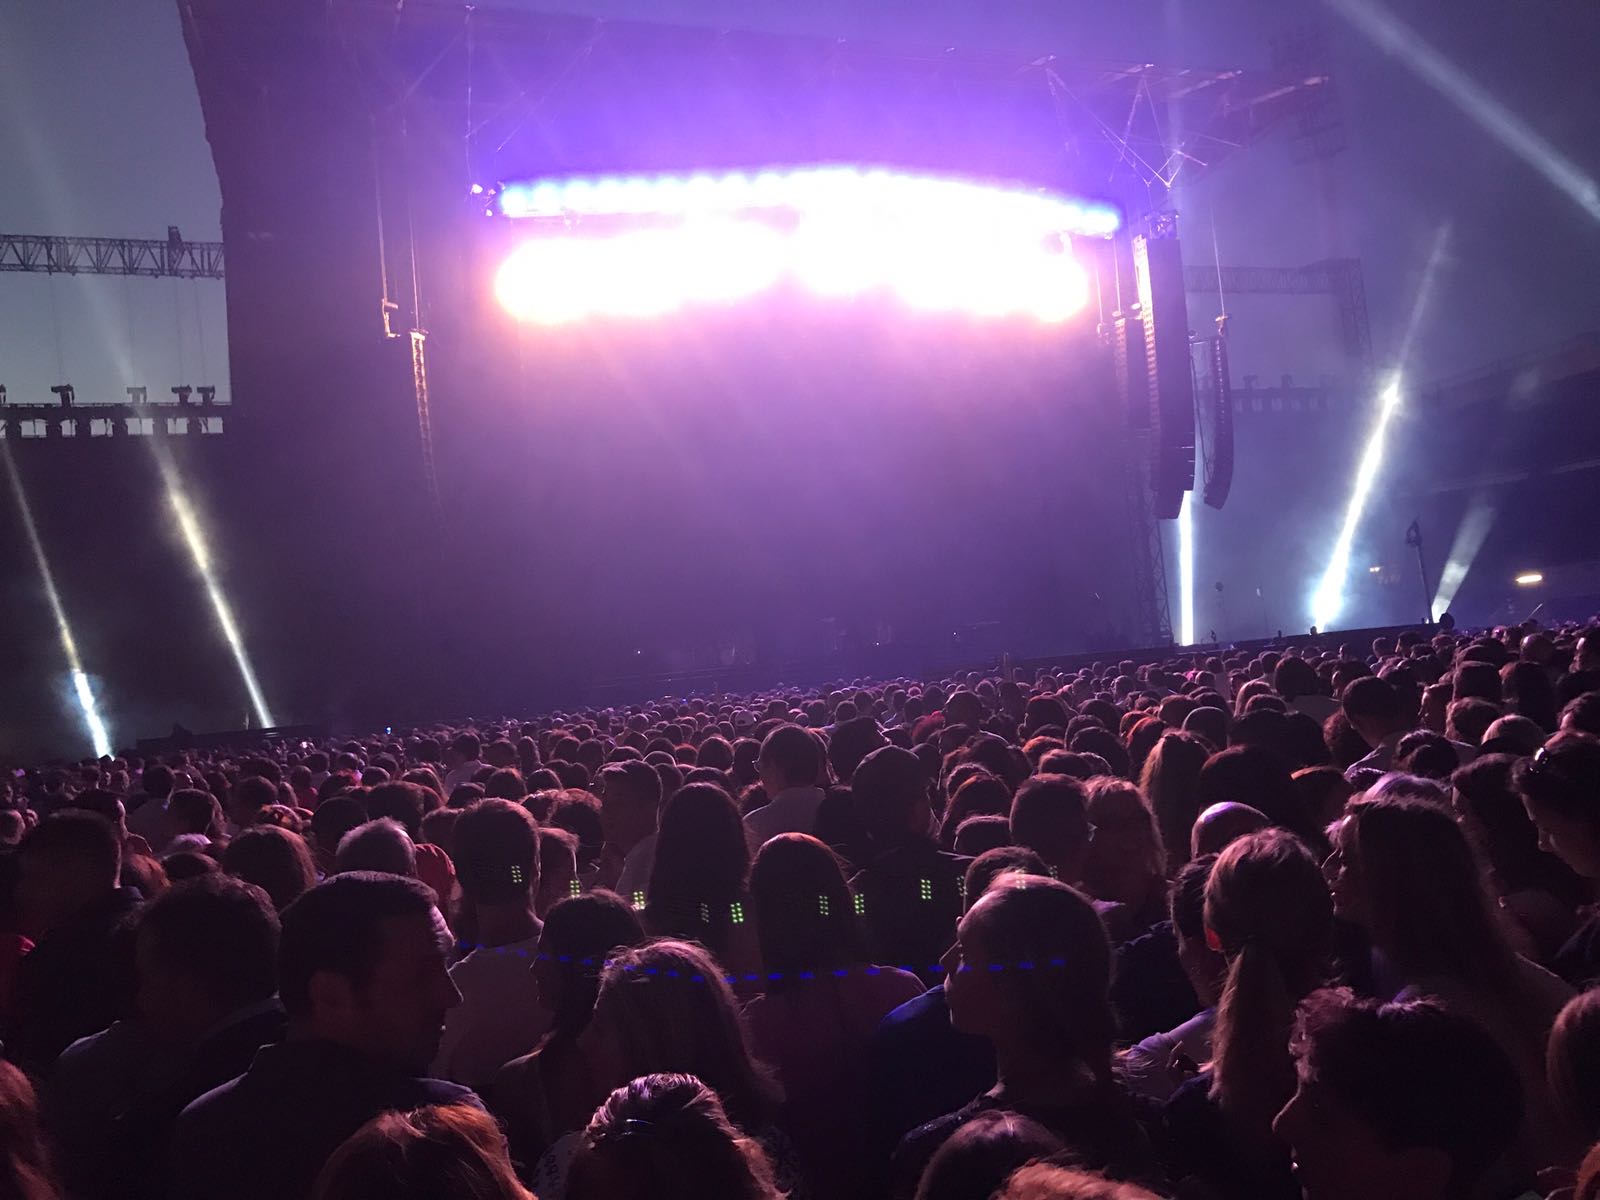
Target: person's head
(65, 863)
(360, 963)
(497, 854)
(1204, 966)
(667, 1137)
(1058, 1010)
(205, 948)
(1295, 677)
(1374, 708)
(463, 748)
(1268, 912)
(978, 1158)
(580, 933)
(891, 790)
(1171, 782)
(191, 810)
(790, 757)
(558, 868)
(702, 853)
(1582, 714)
(275, 860)
(26, 1172)
(1259, 778)
(805, 913)
(630, 800)
(983, 870)
(157, 781)
(1323, 793)
(406, 803)
(1049, 815)
(1572, 1064)
(441, 1150)
(1528, 692)
(1495, 821)
(665, 1007)
(1046, 1181)
(1399, 1101)
(1467, 720)
(979, 794)
(248, 797)
(1220, 825)
(851, 742)
(380, 845)
(1560, 788)
(1125, 856)
(1403, 870)
(1478, 678)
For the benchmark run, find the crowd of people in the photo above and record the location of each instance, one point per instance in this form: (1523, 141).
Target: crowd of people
(1310, 920)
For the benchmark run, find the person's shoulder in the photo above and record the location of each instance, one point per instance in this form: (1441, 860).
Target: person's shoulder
(217, 1108)
(442, 1091)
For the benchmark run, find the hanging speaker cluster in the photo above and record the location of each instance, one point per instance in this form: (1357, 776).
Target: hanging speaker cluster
(1219, 421)
(1169, 382)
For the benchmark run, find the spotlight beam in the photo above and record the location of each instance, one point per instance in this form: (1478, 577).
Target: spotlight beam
(1393, 36)
(96, 727)
(194, 538)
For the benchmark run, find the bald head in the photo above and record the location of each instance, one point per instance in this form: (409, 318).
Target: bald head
(1223, 823)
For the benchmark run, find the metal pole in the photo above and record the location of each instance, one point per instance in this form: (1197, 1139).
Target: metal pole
(1414, 537)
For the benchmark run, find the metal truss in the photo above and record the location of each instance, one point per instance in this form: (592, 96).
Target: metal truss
(1340, 278)
(152, 258)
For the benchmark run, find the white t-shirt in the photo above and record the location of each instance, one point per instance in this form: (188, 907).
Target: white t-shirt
(793, 810)
(499, 1017)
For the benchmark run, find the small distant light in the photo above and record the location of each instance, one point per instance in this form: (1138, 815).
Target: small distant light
(1374, 570)
(477, 189)
(1529, 579)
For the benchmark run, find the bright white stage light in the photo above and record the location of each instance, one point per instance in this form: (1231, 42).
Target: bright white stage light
(1186, 634)
(937, 245)
(194, 539)
(1529, 579)
(99, 736)
(1328, 600)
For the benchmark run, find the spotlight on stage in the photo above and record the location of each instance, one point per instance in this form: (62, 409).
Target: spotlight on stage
(1328, 600)
(648, 245)
(1529, 579)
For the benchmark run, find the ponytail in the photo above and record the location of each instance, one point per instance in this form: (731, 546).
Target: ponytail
(1252, 1073)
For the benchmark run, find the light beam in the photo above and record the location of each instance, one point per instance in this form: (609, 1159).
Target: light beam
(99, 736)
(1186, 635)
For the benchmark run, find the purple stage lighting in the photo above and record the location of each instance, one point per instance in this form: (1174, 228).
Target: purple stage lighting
(645, 246)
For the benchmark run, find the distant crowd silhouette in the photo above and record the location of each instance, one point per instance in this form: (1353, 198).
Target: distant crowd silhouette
(1315, 920)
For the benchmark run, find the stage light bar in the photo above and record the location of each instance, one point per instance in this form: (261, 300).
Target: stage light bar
(935, 245)
(1328, 600)
(1529, 579)
(808, 191)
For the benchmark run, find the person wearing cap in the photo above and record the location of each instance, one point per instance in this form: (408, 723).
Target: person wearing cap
(630, 800)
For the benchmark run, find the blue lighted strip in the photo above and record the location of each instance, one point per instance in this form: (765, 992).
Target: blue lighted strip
(791, 188)
(770, 977)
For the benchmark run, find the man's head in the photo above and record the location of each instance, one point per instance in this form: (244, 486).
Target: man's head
(380, 845)
(248, 797)
(1373, 708)
(1222, 824)
(891, 793)
(630, 801)
(496, 852)
(1398, 1101)
(66, 863)
(205, 948)
(1049, 816)
(790, 757)
(360, 963)
(463, 748)
(157, 781)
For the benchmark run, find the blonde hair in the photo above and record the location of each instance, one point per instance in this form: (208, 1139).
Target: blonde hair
(441, 1150)
(1041, 1181)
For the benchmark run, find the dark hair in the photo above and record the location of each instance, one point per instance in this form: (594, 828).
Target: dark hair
(889, 785)
(979, 795)
(1372, 699)
(335, 817)
(578, 813)
(1563, 777)
(1414, 1072)
(666, 1137)
(1002, 860)
(978, 1158)
(1572, 1063)
(442, 1150)
(851, 742)
(1261, 779)
(403, 802)
(1049, 815)
(1186, 898)
(275, 860)
(1508, 840)
(982, 833)
(219, 931)
(702, 865)
(190, 807)
(581, 932)
(496, 852)
(1467, 720)
(338, 926)
(157, 780)
(85, 837)
(805, 912)
(793, 753)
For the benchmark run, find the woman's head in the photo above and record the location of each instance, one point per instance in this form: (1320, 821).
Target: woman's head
(1125, 852)
(1171, 782)
(805, 913)
(1032, 964)
(665, 1007)
(275, 860)
(979, 794)
(1572, 1063)
(1560, 787)
(579, 934)
(977, 1159)
(1495, 821)
(441, 1150)
(701, 850)
(666, 1137)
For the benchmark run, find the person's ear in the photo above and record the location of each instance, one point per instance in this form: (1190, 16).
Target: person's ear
(332, 994)
(1213, 942)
